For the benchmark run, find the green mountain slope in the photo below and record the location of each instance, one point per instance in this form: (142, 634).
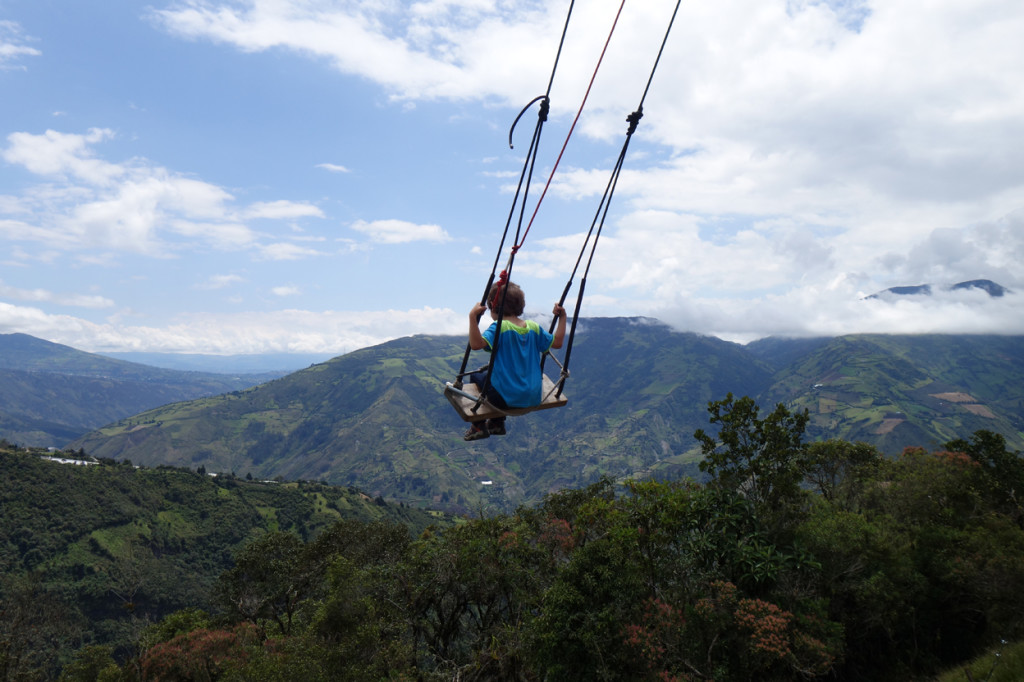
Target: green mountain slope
(898, 391)
(50, 393)
(377, 418)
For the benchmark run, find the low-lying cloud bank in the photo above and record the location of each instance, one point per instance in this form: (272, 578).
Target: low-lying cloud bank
(798, 313)
(809, 312)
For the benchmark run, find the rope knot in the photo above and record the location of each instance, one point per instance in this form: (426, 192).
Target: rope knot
(634, 120)
(498, 286)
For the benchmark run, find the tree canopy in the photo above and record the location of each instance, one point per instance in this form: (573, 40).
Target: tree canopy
(790, 561)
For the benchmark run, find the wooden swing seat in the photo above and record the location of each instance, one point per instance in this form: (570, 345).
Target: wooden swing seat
(463, 399)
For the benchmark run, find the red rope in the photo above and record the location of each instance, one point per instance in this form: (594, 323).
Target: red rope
(498, 286)
(571, 128)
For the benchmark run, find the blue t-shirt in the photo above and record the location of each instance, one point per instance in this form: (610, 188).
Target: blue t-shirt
(516, 374)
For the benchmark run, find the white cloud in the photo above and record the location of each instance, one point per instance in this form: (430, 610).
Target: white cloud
(46, 296)
(812, 311)
(779, 278)
(289, 290)
(400, 231)
(818, 311)
(285, 251)
(16, 229)
(771, 288)
(992, 250)
(12, 44)
(333, 167)
(133, 216)
(414, 53)
(220, 282)
(280, 210)
(794, 154)
(62, 154)
(135, 206)
(283, 331)
(226, 236)
(851, 113)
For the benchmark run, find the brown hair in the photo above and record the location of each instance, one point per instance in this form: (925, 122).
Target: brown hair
(515, 299)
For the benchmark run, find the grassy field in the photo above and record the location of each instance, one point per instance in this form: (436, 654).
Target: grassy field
(1003, 664)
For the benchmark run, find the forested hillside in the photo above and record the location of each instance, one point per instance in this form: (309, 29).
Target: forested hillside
(51, 394)
(376, 418)
(826, 561)
(92, 553)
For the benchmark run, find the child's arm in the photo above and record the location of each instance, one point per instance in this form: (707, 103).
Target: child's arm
(476, 339)
(560, 329)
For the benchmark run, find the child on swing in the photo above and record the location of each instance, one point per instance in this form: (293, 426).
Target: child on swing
(516, 376)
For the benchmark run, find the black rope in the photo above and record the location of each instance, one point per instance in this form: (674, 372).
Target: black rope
(596, 226)
(542, 114)
(602, 209)
(525, 177)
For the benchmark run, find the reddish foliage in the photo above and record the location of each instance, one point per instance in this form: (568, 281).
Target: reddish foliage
(557, 534)
(660, 626)
(958, 459)
(768, 626)
(198, 655)
(509, 539)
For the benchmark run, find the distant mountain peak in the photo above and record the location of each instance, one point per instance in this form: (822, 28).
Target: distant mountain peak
(993, 289)
(988, 285)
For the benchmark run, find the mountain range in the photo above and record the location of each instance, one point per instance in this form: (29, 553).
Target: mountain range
(51, 393)
(993, 289)
(376, 418)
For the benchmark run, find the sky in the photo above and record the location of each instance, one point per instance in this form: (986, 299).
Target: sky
(317, 176)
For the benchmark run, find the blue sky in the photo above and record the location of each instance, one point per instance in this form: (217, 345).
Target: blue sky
(314, 176)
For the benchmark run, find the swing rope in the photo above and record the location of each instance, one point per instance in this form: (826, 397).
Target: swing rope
(524, 179)
(572, 128)
(602, 209)
(596, 227)
(518, 242)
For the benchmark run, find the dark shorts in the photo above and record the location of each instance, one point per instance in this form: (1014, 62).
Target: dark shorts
(492, 396)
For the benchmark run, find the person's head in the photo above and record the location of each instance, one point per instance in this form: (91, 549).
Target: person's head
(515, 299)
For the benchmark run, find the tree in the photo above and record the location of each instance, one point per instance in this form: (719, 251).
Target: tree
(924, 569)
(628, 603)
(34, 624)
(201, 655)
(763, 459)
(90, 664)
(1004, 470)
(267, 582)
(174, 624)
(836, 469)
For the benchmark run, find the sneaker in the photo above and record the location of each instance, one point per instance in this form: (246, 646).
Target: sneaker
(476, 433)
(496, 427)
